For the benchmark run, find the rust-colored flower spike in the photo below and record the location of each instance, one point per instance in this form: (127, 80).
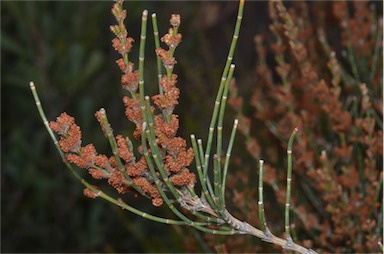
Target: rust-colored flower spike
(70, 140)
(117, 11)
(172, 40)
(168, 61)
(175, 20)
(130, 81)
(123, 46)
(85, 158)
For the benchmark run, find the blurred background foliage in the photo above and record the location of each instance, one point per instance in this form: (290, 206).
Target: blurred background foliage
(65, 48)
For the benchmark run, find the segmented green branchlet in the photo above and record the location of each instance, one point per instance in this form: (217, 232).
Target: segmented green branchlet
(216, 181)
(221, 87)
(155, 150)
(159, 164)
(218, 184)
(84, 182)
(113, 144)
(201, 151)
(157, 155)
(149, 118)
(157, 45)
(206, 178)
(197, 225)
(141, 60)
(158, 161)
(289, 179)
(261, 201)
(203, 180)
(227, 157)
(45, 121)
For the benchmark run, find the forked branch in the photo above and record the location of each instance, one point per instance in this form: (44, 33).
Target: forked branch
(162, 174)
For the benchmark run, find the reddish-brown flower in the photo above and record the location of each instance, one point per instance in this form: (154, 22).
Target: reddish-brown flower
(123, 149)
(184, 178)
(130, 81)
(70, 140)
(85, 157)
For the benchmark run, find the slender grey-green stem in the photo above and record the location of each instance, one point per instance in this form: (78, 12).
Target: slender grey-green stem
(223, 103)
(113, 145)
(206, 177)
(261, 201)
(200, 173)
(216, 181)
(201, 150)
(155, 151)
(197, 225)
(289, 180)
(227, 157)
(141, 60)
(222, 83)
(156, 155)
(157, 45)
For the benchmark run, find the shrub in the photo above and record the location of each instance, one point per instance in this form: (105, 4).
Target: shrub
(339, 152)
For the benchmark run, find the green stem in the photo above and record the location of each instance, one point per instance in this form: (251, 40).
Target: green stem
(201, 150)
(157, 45)
(216, 181)
(227, 157)
(261, 202)
(289, 179)
(141, 59)
(197, 225)
(220, 133)
(208, 196)
(156, 154)
(222, 83)
(113, 145)
(155, 150)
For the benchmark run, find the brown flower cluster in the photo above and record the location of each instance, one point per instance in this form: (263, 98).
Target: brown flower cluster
(70, 140)
(172, 39)
(123, 44)
(338, 156)
(100, 166)
(122, 170)
(167, 101)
